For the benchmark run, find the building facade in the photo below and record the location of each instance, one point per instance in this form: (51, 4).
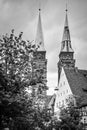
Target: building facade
(72, 82)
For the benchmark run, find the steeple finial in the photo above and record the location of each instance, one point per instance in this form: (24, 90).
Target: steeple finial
(39, 41)
(39, 9)
(66, 8)
(66, 18)
(39, 5)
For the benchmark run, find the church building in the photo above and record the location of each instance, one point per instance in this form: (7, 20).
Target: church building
(72, 82)
(39, 65)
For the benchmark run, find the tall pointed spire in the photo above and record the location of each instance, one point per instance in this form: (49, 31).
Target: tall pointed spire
(39, 41)
(66, 40)
(66, 56)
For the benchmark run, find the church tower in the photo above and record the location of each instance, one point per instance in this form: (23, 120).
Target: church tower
(66, 54)
(40, 61)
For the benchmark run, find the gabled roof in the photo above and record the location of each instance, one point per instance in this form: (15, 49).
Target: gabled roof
(77, 82)
(84, 72)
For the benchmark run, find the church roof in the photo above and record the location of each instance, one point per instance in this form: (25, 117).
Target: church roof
(84, 72)
(39, 41)
(78, 82)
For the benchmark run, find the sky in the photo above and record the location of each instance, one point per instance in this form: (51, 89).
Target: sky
(22, 15)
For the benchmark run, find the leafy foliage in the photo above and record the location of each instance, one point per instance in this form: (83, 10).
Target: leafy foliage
(17, 107)
(70, 117)
(15, 57)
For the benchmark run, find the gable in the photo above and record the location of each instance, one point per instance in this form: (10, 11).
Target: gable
(64, 91)
(78, 83)
(63, 83)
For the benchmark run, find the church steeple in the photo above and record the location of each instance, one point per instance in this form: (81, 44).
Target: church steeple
(39, 60)
(66, 40)
(66, 54)
(39, 41)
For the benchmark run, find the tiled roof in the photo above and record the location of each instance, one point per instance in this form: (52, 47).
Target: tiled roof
(78, 82)
(83, 101)
(84, 72)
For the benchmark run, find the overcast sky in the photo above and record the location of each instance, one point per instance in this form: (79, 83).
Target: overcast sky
(22, 15)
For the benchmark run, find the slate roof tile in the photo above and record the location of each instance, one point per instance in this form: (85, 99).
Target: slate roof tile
(78, 82)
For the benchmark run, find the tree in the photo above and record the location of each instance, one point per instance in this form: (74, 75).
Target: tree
(70, 117)
(15, 57)
(16, 75)
(18, 108)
